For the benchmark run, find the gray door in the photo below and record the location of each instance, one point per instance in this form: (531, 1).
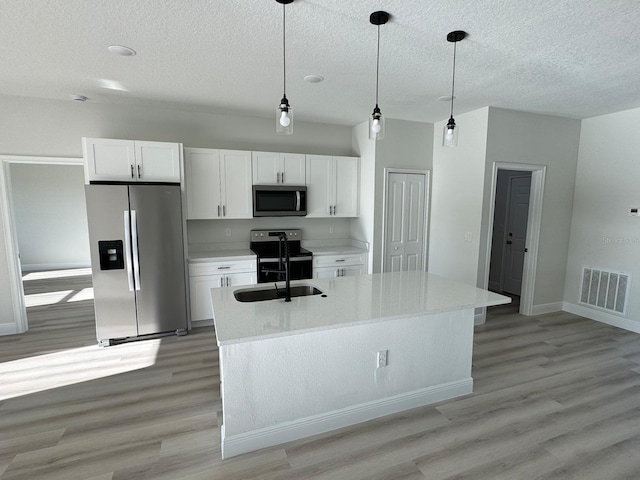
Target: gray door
(156, 225)
(114, 297)
(517, 215)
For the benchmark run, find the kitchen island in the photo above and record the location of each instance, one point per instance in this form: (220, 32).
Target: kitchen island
(368, 346)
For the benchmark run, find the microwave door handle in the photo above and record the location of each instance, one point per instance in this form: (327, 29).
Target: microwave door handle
(297, 200)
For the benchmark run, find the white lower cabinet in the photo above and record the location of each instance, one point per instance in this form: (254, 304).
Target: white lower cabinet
(204, 276)
(329, 266)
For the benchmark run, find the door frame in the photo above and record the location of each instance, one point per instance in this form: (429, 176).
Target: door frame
(534, 222)
(11, 237)
(427, 206)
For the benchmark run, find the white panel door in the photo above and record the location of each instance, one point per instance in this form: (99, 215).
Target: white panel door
(292, 169)
(202, 183)
(517, 215)
(157, 161)
(266, 167)
(346, 186)
(320, 185)
(236, 184)
(109, 159)
(405, 222)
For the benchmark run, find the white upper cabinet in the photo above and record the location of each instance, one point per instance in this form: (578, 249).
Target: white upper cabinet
(332, 186)
(278, 168)
(109, 159)
(218, 183)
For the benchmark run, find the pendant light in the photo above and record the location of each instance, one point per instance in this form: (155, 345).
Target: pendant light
(450, 136)
(376, 120)
(284, 112)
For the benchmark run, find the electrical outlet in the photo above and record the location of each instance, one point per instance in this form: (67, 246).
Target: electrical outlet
(467, 236)
(227, 232)
(382, 358)
(331, 230)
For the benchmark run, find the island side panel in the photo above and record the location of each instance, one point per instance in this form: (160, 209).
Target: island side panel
(280, 389)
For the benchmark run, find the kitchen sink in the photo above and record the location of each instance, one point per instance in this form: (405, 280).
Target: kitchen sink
(262, 294)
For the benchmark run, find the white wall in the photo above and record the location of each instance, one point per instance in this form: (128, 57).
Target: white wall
(50, 215)
(405, 145)
(456, 198)
(362, 227)
(519, 137)
(603, 234)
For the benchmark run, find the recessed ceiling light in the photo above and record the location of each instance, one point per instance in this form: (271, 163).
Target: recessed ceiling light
(79, 98)
(122, 50)
(446, 98)
(314, 78)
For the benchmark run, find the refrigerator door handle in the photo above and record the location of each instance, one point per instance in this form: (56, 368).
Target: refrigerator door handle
(134, 249)
(127, 242)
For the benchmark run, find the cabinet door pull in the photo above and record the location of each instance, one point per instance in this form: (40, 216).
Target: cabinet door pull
(282, 176)
(139, 174)
(277, 177)
(221, 281)
(133, 175)
(224, 210)
(227, 281)
(218, 210)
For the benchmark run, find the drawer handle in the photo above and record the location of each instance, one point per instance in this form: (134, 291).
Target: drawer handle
(224, 268)
(341, 260)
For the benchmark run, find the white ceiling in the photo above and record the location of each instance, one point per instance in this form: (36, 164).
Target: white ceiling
(573, 58)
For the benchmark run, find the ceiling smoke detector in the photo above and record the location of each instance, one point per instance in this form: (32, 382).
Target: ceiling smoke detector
(122, 50)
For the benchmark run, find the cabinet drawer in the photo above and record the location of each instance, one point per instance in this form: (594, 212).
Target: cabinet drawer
(222, 267)
(338, 260)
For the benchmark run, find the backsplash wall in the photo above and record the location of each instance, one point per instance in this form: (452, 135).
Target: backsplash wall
(214, 231)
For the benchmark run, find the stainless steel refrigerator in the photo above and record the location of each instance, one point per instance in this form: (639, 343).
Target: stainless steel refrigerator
(137, 261)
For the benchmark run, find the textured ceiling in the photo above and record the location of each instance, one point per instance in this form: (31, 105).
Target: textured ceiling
(574, 58)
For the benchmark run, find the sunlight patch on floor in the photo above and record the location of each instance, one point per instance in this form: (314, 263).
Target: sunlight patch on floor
(39, 373)
(75, 272)
(48, 298)
(84, 294)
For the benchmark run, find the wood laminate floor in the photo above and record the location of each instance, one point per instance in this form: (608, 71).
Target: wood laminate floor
(556, 397)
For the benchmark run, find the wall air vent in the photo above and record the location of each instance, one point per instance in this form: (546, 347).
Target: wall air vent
(605, 290)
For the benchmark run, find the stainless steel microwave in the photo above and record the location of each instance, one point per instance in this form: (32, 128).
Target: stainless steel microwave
(279, 200)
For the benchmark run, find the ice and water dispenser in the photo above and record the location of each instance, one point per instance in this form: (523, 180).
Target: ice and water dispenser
(111, 254)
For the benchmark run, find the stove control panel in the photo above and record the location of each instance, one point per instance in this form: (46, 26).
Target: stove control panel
(267, 235)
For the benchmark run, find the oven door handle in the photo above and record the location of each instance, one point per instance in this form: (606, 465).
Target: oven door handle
(294, 259)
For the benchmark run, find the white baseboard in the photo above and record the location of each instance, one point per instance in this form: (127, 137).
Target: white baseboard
(8, 329)
(305, 427)
(43, 267)
(202, 323)
(547, 308)
(604, 317)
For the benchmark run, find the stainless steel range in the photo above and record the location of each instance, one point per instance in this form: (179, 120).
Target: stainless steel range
(270, 251)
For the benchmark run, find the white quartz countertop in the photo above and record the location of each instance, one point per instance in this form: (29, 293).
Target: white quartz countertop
(336, 250)
(214, 255)
(349, 301)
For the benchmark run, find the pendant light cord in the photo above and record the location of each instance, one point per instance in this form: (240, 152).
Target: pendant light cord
(453, 81)
(284, 50)
(377, 65)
